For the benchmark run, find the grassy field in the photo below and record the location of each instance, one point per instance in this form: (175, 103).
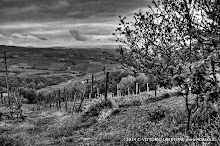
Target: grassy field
(112, 124)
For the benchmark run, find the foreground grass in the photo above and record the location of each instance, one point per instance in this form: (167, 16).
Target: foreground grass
(105, 124)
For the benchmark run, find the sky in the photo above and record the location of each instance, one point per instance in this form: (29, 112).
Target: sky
(66, 23)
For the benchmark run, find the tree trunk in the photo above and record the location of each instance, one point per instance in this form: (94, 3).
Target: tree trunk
(188, 119)
(188, 110)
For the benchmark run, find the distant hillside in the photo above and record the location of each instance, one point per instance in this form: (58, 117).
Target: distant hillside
(28, 60)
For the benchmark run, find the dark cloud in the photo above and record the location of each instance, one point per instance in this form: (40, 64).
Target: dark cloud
(20, 10)
(76, 34)
(50, 22)
(43, 38)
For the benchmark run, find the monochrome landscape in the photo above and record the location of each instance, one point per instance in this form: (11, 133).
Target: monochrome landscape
(109, 72)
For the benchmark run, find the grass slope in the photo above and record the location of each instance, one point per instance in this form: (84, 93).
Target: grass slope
(142, 117)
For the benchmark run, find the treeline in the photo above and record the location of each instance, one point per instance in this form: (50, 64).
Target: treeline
(28, 85)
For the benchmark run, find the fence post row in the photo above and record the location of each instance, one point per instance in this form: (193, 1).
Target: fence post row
(65, 97)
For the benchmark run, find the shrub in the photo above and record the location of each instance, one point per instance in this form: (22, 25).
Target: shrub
(29, 94)
(95, 108)
(136, 103)
(164, 96)
(157, 114)
(177, 93)
(65, 127)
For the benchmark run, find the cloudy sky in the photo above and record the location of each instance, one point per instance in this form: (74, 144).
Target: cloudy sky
(46, 23)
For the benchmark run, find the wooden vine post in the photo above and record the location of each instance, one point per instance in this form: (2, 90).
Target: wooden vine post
(118, 90)
(74, 102)
(66, 102)
(92, 85)
(147, 88)
(56, 100)
(2, 98)
(6, 76)
(128, 91)
(136, 89)
(59, 99)
(106, 85)
(97, 90)
(65, 98)
(50, 100)
(87, 89)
